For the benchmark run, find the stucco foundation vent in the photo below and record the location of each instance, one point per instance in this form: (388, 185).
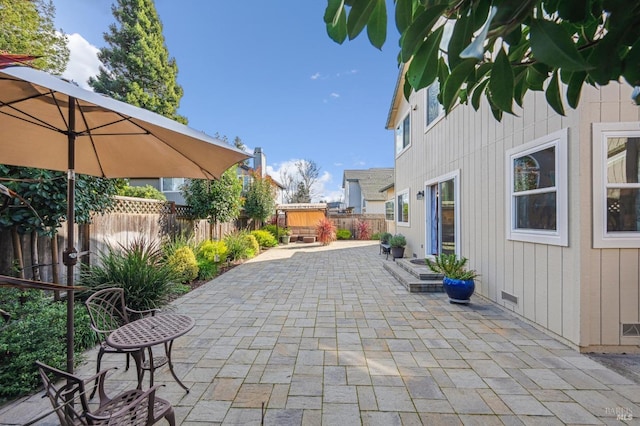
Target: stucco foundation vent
(630, 330)
(509, 297)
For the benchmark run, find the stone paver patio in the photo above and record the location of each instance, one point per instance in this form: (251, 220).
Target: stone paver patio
(325, 336)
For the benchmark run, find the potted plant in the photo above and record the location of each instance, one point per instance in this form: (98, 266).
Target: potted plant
(285, 235)
(397, 243)
(458, 281)
(385, 237)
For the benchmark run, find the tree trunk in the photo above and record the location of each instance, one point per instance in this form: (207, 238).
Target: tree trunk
(35, 258)
(55, 275)
(17, 252)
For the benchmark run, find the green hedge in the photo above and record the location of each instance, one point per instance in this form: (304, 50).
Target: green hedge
(37, 331)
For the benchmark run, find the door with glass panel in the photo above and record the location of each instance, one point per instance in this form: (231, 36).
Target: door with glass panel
(441, 217)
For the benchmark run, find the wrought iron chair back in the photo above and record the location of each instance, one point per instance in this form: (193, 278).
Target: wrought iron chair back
(131, 408)
(64, 398)
(108, 311)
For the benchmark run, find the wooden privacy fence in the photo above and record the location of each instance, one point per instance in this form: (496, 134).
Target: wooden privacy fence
(128, 220)
(348, 221)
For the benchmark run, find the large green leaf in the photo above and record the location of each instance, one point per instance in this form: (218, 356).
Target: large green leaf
(377, 26)
(497, 112)
(419, 29)
(574, 88)
(454, 82)
(333, 10)
(338, 32)
(477, 94)
(606, 62)
(404, 14)
(359, 16)
(423, 69)
(553, 94)
(631, 65)
(573, 10)
(553, 45)
(501, 82)
(460, 38)
(535, 78)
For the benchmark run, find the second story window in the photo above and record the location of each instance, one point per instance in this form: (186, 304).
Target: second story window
(433, 107)
(403, 134)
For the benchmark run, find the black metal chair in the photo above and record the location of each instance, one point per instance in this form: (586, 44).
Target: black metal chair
(108, 311)
(67, 393)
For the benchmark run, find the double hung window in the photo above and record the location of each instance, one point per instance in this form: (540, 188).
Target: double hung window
(537, 191)
(616, 185)
(403, 134)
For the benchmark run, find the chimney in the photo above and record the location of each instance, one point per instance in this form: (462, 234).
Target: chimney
(260, 161)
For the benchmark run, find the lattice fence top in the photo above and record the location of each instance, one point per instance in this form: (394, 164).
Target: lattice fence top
(131, 205)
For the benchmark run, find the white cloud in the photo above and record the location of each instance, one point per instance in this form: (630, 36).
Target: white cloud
(334, 95)
(320, 189)
(315, 76)
(349, 72)
(83, 60)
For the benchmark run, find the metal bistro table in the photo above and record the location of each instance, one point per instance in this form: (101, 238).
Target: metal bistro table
(150, 331)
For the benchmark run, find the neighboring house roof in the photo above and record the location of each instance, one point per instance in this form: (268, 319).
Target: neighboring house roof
(387, 187)
(370, 181)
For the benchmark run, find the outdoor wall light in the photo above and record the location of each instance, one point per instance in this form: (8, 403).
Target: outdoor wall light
(420, 195)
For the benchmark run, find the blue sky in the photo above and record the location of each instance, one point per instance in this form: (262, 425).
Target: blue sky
(268, 73)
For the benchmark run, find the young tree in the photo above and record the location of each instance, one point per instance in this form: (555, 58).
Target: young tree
(260, 200)
(309, 172)
(26, 27)
(301, 195)
(217, 201)
(298, 185)
(499, 49)
(137, 67)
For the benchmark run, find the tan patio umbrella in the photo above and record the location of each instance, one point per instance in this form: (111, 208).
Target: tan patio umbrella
(49, 123)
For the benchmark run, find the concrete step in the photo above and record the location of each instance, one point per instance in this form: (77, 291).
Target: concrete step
(410, 281)
(420, 271)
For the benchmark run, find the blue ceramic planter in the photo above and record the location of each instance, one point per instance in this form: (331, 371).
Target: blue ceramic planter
(459, 291)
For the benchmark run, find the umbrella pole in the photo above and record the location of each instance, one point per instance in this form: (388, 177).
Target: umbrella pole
(70, 255)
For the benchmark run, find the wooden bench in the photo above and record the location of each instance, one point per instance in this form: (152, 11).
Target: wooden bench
(385, 248)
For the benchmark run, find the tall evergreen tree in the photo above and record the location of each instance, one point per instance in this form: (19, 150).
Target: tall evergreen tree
(137, 67)
(27, 28)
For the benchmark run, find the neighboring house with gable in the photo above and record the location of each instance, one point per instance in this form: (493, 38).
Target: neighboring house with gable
(546, 208)
(362, 193)
(170, 187)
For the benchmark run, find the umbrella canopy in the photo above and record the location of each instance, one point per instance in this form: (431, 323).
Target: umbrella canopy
(49, 123)
(113, 139)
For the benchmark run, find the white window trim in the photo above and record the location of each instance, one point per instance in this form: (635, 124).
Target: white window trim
(602, 238)
(455, 175)
(559, 237)
(399, 153)
(393, 210)
(398, 194)
(167, 191)
(440, 116)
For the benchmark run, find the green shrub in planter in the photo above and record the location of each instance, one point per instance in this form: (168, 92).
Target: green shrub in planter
(398, 240)
(343, 234)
